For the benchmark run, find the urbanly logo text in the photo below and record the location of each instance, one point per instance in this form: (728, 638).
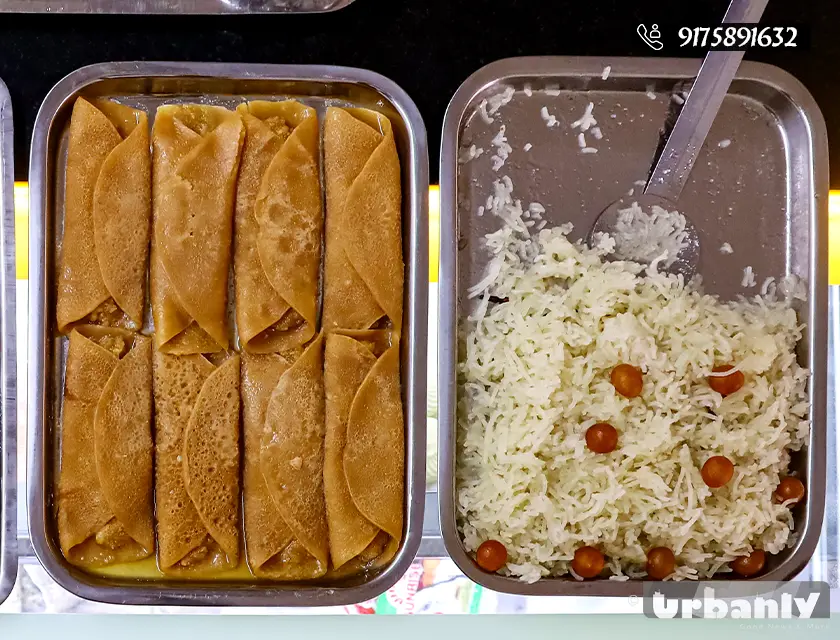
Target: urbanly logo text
(742, 600)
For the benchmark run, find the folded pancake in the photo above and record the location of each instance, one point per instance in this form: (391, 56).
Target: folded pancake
(363, 267)
(278, 226)
(197, 463)
(364, 463)
(107, 215)
(105, 506)
(196, 159)
(283, 411)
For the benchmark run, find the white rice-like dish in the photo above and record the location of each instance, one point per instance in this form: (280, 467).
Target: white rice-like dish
(469, 153)
(499, 100)
(503, 149)
(549, 118)
(749, 277)
(534, 375)
(482, 112)
(643, 236)
(587, 120)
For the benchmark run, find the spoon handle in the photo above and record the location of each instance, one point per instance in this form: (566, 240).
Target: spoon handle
(700, 109)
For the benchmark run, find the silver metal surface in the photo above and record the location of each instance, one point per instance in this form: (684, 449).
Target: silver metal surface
(199, 7)
(149, 84)
(760, 183)
(685, 262)
(8, 348)
(700, 110)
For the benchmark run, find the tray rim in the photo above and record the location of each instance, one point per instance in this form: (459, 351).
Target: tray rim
(629, 67)
(121, 7)
(8, 361)
(415, 253)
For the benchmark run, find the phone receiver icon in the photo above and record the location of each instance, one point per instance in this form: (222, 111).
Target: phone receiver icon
(651, 39)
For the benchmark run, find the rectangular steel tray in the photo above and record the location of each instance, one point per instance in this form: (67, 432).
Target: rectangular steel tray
(8, 348)
(150, 84)
(195, 7)
(770, 185)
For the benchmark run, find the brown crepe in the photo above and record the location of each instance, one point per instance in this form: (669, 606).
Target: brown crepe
(196, 159)
(364, 451)
(197, 463)
(285, 520)
(363, 271)
(105, 506)
(279, 227)
(107, 211)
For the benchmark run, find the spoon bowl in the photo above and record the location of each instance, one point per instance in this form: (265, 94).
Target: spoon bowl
(644, 234)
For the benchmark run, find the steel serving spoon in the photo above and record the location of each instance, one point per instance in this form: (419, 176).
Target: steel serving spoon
(686, 140)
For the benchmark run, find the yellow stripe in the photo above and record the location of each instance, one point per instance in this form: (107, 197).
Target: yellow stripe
(22, 232)
(834, 237)
(434, 232)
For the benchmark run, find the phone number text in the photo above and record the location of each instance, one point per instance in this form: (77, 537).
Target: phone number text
(738, 37)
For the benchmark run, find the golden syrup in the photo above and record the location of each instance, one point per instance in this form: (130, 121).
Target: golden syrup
(149, 569)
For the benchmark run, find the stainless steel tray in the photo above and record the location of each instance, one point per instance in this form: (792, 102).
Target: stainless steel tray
(770, 183)
(149, 84)
(8, 363)
(205, 7)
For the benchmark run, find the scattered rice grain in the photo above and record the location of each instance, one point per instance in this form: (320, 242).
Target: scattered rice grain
(482, 111)
(748, 281)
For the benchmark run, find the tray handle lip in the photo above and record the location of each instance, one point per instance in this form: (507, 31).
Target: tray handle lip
(417, 310)
(506, 68)
(8, 359)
